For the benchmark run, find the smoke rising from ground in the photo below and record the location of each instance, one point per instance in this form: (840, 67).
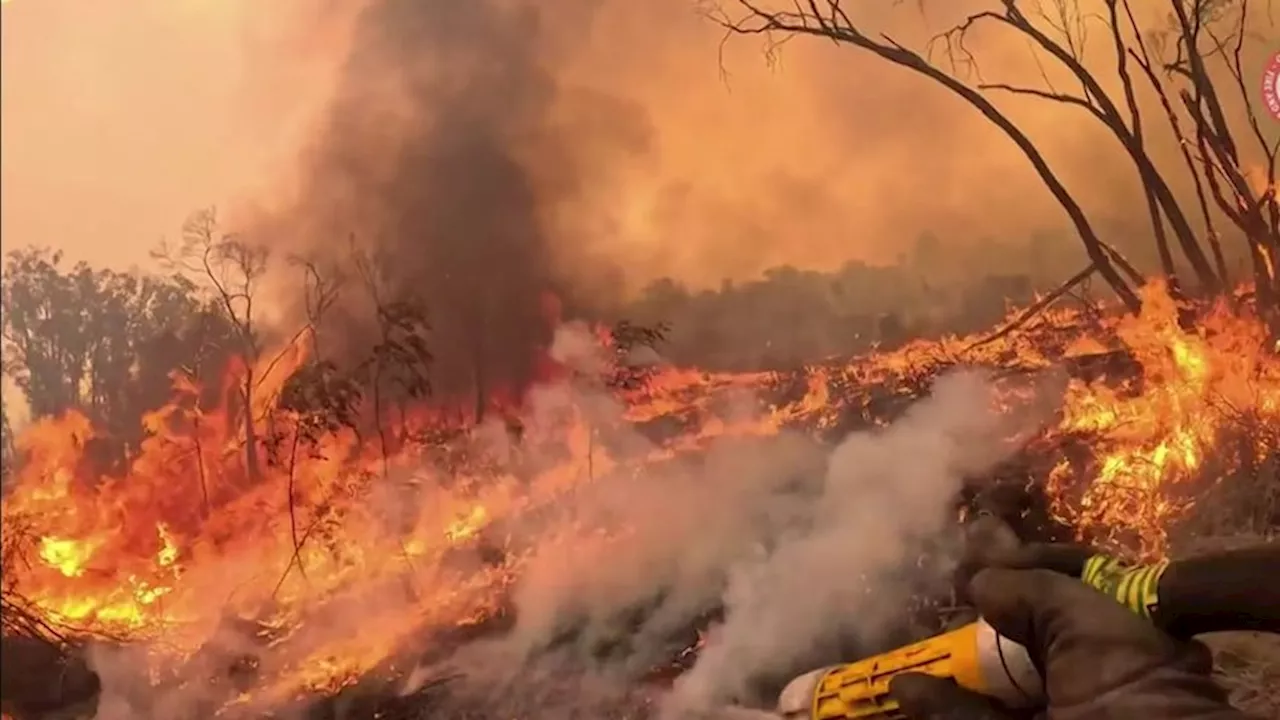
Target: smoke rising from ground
(810, 552)
(885, 494)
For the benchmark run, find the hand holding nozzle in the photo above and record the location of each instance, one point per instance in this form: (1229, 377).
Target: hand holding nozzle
(1118, 641)
(1099, 660)
(1130, 657)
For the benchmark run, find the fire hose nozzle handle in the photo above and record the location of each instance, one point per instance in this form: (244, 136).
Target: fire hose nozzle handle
(975, 656)
(1232, 590)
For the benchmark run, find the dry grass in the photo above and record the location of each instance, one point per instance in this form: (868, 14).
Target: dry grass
(1248, 666)
(1242, 509)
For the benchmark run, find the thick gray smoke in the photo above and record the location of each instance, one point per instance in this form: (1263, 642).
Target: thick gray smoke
(447, 149)
(810, 552)
(884, 496)
(807, 553)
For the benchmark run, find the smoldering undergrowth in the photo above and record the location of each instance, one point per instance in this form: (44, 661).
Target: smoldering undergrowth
(799, 553)
(796, 553)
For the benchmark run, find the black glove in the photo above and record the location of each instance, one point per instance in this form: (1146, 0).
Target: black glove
(1100, 661)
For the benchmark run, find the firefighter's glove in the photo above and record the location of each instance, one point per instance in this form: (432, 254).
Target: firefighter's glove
(1099, 660)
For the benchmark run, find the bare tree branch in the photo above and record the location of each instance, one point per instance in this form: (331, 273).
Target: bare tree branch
(1235, 67)
(1035, 308)
(1151, 177)
(1142, 57)
(1135, 123)
(232, 269)
(813, 23)
(1047, 95)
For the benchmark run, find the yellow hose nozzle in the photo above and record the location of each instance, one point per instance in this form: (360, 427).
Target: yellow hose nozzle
(975, 656)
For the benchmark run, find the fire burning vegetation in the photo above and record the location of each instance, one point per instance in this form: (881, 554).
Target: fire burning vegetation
(342, 557)
(450, 481)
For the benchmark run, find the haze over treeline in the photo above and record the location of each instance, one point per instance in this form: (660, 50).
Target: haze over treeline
(481, 158)
(637, 152)
(427, 194)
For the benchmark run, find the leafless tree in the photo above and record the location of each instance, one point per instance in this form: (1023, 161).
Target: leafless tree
(399, 362)
(232, 270)
(1183, 64)
(320, 290)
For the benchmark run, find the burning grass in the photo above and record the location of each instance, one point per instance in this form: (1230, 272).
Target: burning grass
(336, 569)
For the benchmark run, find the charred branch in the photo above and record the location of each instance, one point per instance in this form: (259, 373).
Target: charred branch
(834, 23)
(1208, 147)
(1129, 135)
(1036, 307)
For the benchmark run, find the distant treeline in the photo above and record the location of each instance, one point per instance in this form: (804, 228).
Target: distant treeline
(108, 342)
(790, 316)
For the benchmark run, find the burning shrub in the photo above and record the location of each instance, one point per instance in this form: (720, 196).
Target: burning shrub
(585, 531)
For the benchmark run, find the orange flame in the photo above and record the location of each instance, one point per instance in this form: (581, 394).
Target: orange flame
(189, 534)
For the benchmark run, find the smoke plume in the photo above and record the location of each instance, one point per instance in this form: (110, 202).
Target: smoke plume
(797, 552)
(505, 143)
(645, 143)
(810, 553)
(448, 147)
(884, 495)
(495, 151)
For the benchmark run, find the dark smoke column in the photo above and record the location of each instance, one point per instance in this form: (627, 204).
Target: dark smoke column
(439, 152)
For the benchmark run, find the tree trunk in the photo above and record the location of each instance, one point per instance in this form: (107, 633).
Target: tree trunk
(250, 427)
(903, 57)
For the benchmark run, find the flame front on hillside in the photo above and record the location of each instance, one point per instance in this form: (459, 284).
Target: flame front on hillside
(338, 552)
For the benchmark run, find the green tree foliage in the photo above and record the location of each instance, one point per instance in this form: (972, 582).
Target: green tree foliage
(101, 341)
(107, 342)
(789, 316)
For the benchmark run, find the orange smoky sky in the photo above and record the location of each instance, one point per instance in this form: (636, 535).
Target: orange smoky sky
(122, 116)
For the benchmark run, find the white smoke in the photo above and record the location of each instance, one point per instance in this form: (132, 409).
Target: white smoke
(883, 495)
(804, 547)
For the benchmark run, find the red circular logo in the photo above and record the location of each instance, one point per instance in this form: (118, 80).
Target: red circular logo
(1271, 86)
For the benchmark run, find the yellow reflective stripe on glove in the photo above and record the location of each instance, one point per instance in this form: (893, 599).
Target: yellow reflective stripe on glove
(1135, 587)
